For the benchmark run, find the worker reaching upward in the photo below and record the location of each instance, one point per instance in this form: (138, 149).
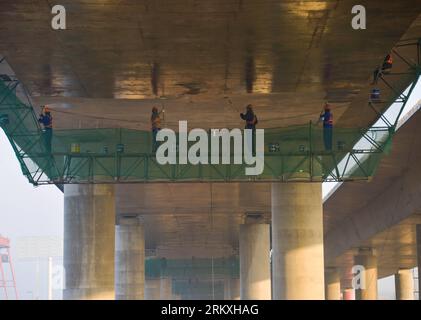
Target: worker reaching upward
(46, 120)
(327, 117)
(155, 126)
(387, 64)
(249, 117)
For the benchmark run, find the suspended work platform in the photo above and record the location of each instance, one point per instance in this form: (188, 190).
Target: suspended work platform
(118, 155)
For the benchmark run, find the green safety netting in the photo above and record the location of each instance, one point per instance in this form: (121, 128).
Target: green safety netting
(122, 155)
(187, 268)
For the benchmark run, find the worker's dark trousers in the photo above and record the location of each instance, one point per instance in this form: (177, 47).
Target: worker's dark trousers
(155, 143)
(327, 138)
(48, 137)
(248, 126)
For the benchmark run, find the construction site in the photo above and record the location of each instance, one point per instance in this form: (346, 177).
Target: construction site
(337, 105)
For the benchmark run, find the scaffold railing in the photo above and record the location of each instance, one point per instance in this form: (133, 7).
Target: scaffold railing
(118, 155)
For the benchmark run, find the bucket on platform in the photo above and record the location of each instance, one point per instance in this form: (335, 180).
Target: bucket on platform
(105, 149)
(75, 148)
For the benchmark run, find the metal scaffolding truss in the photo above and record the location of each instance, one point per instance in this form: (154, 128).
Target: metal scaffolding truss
(111, 155)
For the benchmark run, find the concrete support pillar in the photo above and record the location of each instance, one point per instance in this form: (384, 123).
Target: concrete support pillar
(404, 285)
(166, 289)
(153, 289)
(297, 241)
(89, 222)
(235, 289)
(348, 294)
(254, 261)
(130, 259)
(346, 276)
(418, 235)
(332, 285)
(232, 289)
(368, 274)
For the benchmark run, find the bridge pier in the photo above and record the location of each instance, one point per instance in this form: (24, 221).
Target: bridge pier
(89, 223)
(130, 259)
(368, 260)
(332, 285)
(166, 288)
(404, 285)
(232, 289)
(418, 236)
(348, 294)
(346, 275)
(153, 289)
(297, 241)
(254, 262)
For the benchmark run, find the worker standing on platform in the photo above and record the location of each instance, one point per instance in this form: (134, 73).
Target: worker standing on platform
(46, 120)
(387, 64)
(251, 121)
(327, 117)
(249, 117)
(156, 126)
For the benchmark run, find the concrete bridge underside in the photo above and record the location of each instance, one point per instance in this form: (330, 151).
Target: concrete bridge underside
(202, 62)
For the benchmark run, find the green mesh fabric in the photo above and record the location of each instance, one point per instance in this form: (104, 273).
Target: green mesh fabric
(186, 268)
(116, 155)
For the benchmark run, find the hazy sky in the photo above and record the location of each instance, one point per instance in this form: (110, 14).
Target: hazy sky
(26, 211)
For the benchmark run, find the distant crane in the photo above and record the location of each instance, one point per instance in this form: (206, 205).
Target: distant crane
(6, 259)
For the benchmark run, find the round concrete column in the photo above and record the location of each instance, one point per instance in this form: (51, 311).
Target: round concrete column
(368, 261)
(418, 237)
(153, 289)
(404, 285)
(254, 261)
(297, 241)
(348, 294)
(333, 284)
(130, 259)
(89, 222)
(232, 289)
(166, 289)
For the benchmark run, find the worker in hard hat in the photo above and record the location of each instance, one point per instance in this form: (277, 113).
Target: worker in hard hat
(251, 121)
(46, 120)
(155, 126)
(387, 64)
(249, 117)
(327, 117)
